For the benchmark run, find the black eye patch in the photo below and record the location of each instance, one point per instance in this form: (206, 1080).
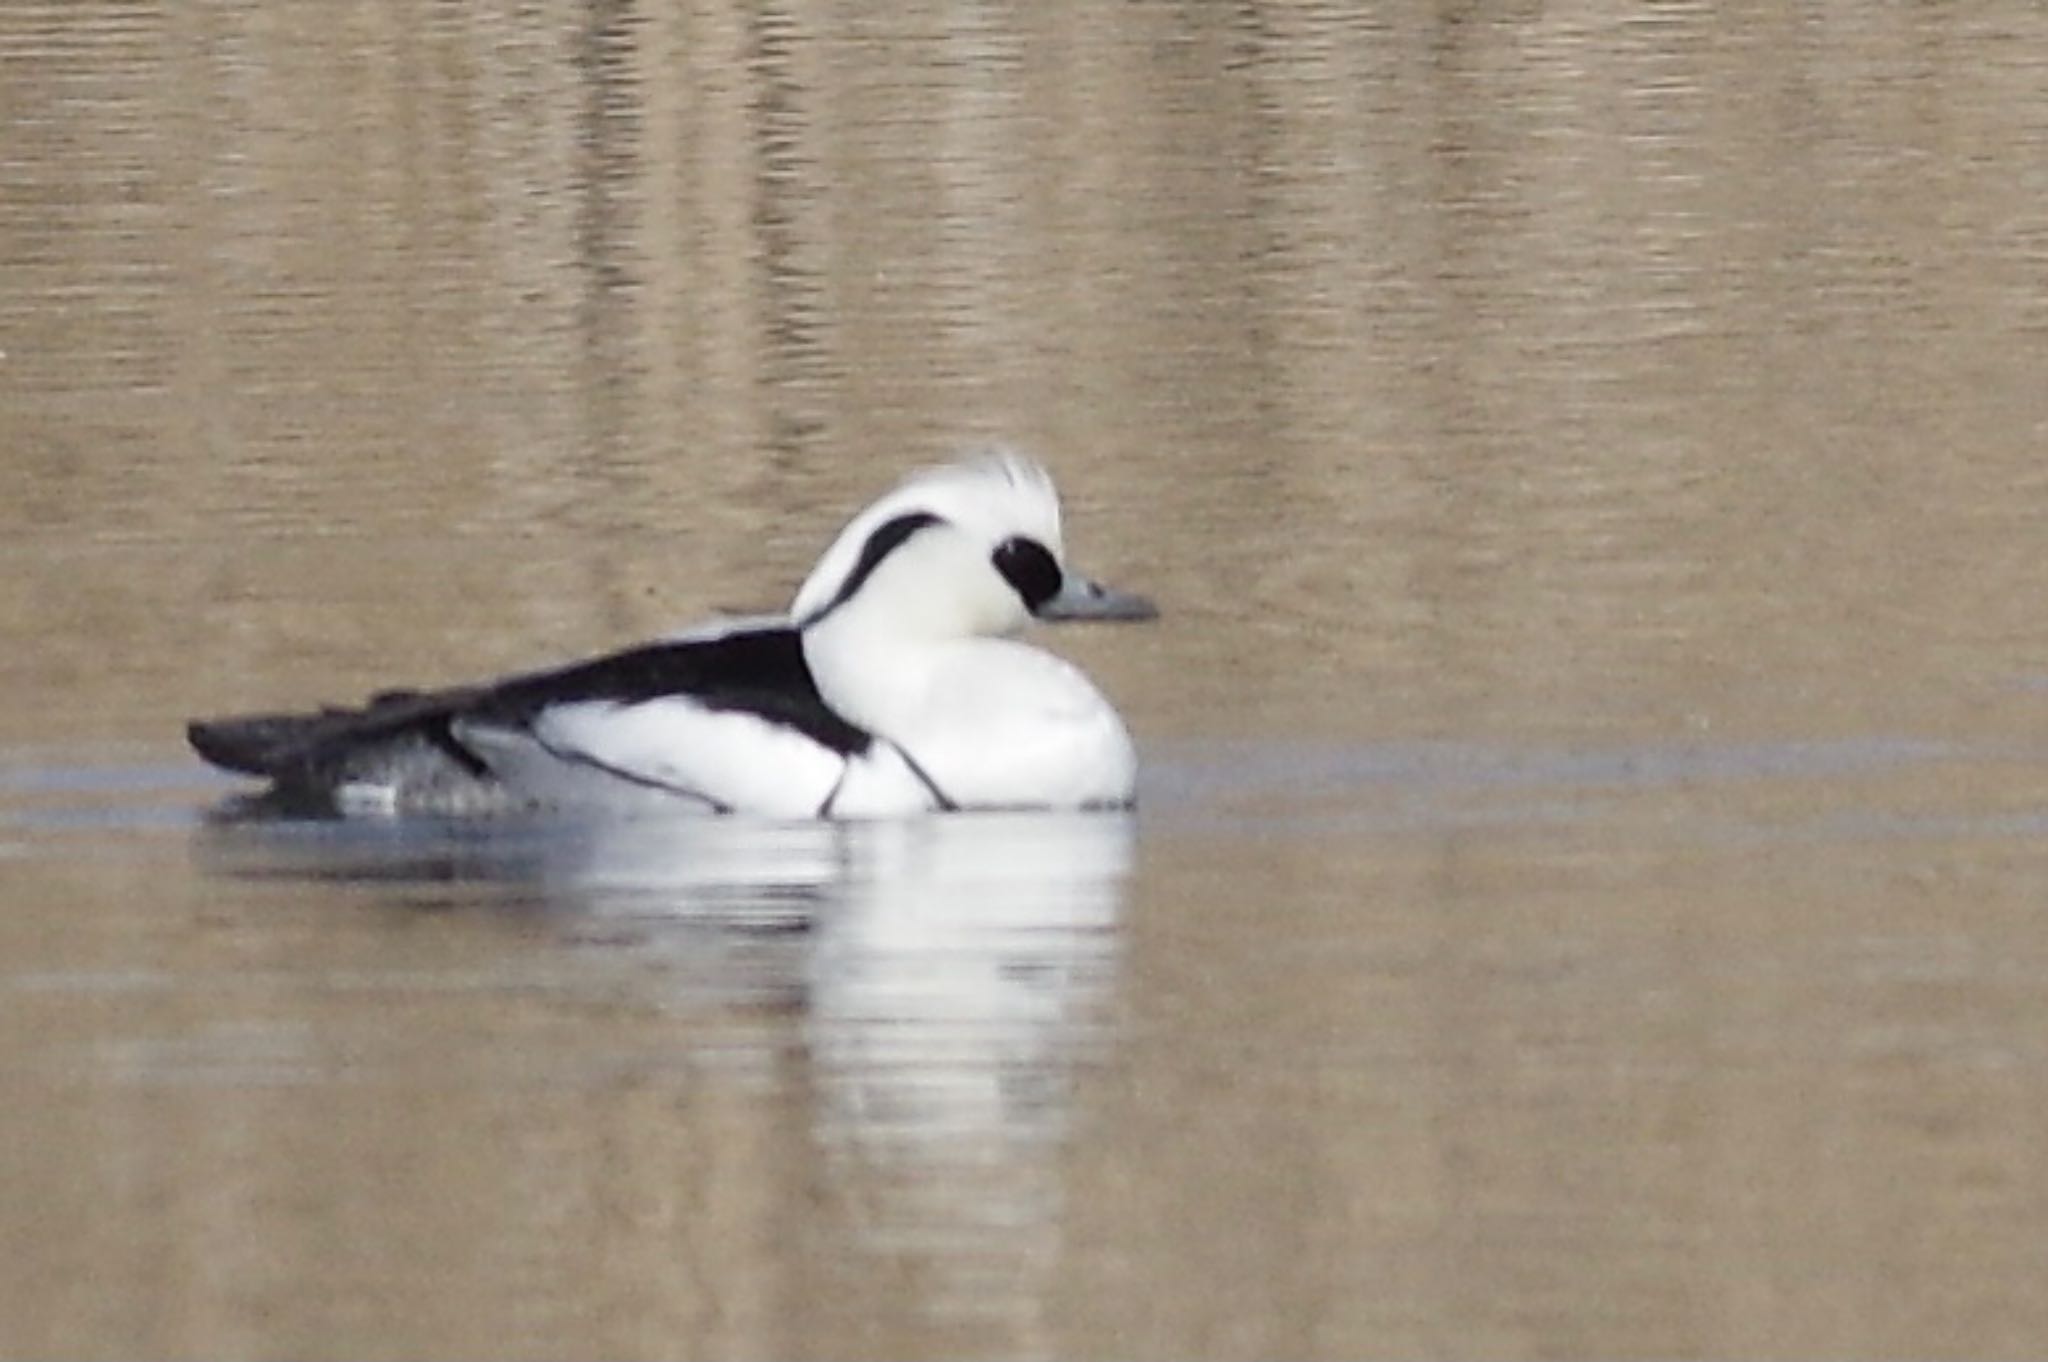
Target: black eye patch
(1029, 567)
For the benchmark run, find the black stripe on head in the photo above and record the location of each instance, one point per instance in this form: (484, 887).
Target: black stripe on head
(884, 541)
(1030, 568)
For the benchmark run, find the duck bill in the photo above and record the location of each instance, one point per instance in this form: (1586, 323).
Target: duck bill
(1080, 598)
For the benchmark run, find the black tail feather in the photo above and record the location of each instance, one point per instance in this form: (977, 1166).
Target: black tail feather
(255, 744)
(308, 745)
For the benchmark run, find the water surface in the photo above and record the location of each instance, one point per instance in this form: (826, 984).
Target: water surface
(1585, 897)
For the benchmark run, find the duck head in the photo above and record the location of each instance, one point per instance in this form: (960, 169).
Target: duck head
(970, 549)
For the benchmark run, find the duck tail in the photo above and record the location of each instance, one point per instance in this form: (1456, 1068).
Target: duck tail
(314, 745)
(254, 744)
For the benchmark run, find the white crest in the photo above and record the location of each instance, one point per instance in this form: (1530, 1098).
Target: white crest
(994, 494)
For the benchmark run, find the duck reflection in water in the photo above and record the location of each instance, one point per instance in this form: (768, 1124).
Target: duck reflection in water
(941, 982)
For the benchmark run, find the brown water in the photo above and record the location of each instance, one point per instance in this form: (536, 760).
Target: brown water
(1591, 891)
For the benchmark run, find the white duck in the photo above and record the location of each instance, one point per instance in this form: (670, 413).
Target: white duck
(892, 688)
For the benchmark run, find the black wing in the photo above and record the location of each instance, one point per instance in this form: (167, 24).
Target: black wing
(757, 671)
